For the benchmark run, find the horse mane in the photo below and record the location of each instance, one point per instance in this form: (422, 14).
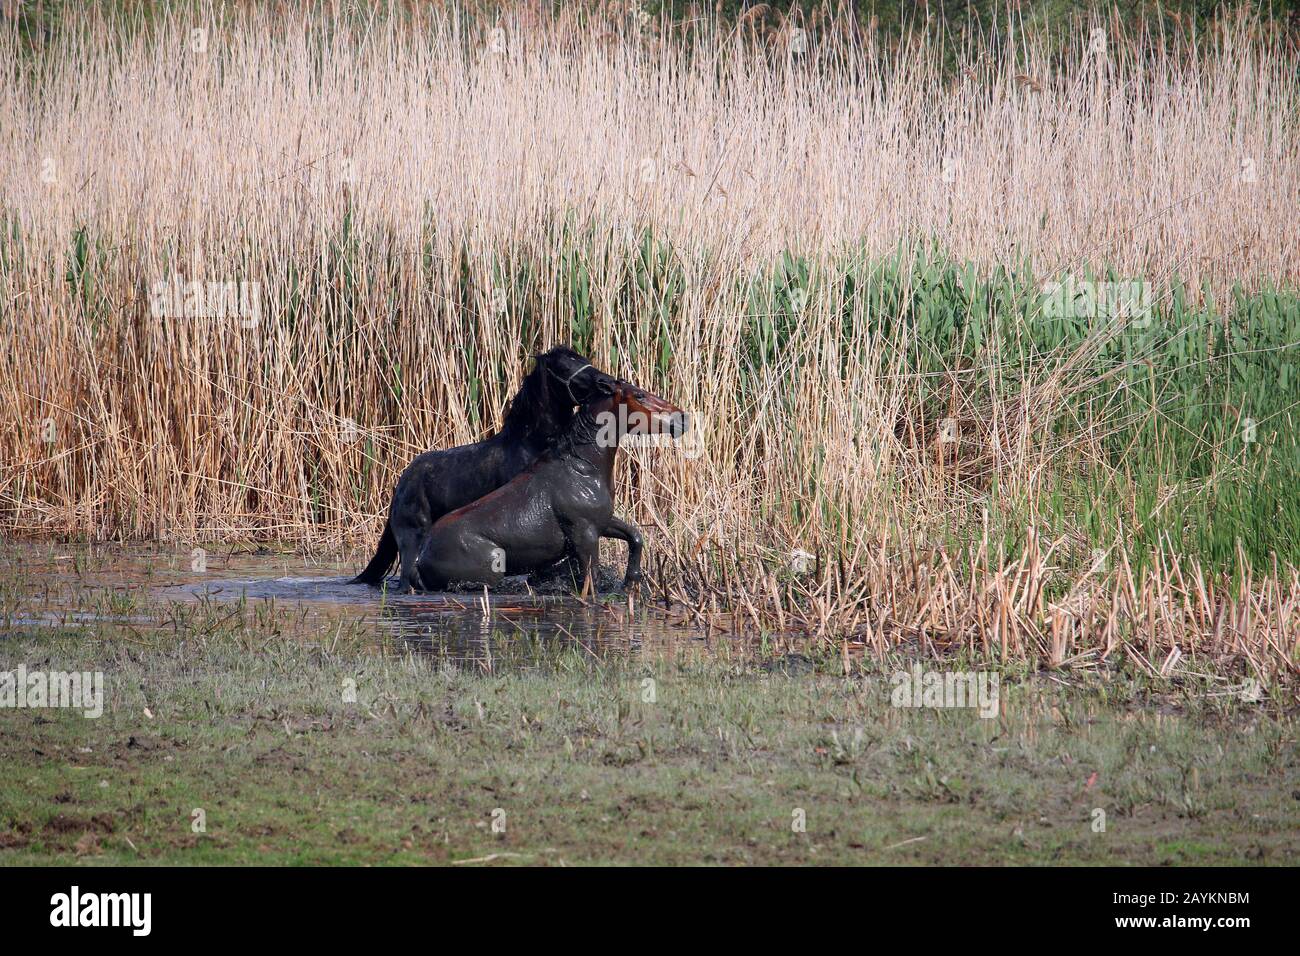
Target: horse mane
(537, 406)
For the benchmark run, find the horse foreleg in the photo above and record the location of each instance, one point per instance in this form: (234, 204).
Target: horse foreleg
(617, 528)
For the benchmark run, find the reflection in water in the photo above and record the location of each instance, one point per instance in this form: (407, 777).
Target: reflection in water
(140, 586)
(490, 630)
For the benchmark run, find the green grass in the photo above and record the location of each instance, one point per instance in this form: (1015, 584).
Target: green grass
(1178, 429)
(253, 729)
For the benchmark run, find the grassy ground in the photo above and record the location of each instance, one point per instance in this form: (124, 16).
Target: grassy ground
(580, 767)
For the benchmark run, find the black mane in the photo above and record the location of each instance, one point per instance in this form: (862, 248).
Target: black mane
(540, 406)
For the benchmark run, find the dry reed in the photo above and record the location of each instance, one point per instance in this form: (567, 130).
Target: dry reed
(419, 206)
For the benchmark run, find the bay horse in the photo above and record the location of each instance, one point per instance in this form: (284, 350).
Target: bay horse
(440, 481)
(560, 506)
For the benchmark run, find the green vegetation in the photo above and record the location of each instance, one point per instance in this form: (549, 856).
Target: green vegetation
(1057, 21)
(1156, 417)
(585, 762)
(1164, 421)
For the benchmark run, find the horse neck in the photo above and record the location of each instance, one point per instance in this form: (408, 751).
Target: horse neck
(582, 439)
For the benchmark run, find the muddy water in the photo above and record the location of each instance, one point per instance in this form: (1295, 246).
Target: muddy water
(141, 587)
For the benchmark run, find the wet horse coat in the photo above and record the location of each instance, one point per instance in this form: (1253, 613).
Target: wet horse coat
(438, 482)
(560, 506)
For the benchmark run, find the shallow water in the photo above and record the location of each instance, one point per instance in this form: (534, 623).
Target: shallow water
(139, 587)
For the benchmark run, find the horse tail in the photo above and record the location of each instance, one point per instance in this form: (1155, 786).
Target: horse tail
(384, 557)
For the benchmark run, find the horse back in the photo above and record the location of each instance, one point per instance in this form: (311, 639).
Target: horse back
(437, 482)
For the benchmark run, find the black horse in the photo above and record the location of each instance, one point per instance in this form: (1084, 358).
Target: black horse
(561, 506)
(440, 481)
